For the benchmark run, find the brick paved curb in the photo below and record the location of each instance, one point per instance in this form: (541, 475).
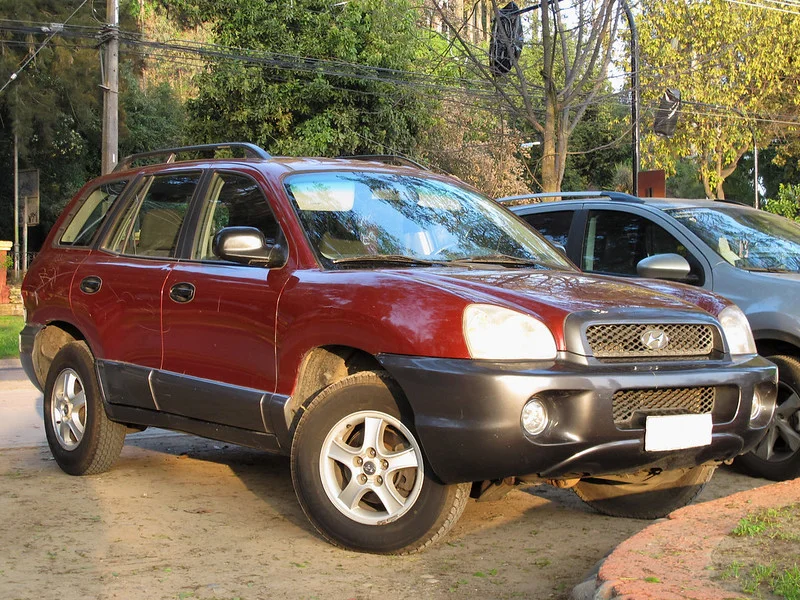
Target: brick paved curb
(678, 550)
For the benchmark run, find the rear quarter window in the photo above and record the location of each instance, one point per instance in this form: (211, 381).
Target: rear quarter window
(90, 216)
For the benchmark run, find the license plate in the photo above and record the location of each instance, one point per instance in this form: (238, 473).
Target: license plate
(674, 432)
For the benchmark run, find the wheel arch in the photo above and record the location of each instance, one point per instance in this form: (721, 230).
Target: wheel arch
(321, 367)
(772, 343)
(53, 336)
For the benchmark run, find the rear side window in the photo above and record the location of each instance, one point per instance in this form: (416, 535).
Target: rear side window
(552, 225)
(233, 200)
(84, 226)
(151, 224)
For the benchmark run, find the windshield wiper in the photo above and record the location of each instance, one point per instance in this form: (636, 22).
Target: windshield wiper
(505, 260)
(392, 259)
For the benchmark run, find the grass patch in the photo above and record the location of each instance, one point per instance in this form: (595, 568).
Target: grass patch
(10, 326)
(769, 533)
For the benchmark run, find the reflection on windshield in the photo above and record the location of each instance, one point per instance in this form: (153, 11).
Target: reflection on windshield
(746, 238)
(350, 215)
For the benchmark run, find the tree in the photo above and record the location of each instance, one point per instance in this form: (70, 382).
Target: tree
(560, 74)
(737, 67)
(292, 108)
(54, 107)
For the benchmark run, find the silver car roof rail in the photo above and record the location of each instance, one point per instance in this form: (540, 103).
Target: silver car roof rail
(250, 151)
(617, 196)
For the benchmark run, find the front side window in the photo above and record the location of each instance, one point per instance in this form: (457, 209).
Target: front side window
(616, 241)
(151, 224)
(90, 216)
(746, 238)
(353, 218)
(233, 200)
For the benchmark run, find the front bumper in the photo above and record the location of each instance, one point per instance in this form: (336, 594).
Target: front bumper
(467, 414)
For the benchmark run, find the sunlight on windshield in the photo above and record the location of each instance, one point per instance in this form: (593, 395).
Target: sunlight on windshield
(351, 215)
(746, 238)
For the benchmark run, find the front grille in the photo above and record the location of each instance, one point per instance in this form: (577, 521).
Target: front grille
(619, 341)
(696, 400)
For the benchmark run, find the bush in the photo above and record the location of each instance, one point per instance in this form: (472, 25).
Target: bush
(787, 203)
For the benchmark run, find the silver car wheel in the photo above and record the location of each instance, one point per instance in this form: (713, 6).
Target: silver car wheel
(371, 467)
(68, 409)
(783, 436)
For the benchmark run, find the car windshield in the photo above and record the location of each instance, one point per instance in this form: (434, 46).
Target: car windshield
(747, 238)
(368, 219)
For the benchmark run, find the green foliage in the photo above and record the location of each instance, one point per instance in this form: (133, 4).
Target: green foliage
(685, 181)
(296, 112)
(736, 61)
(9, 336)
(787, 202)
(55, 108)
(153, 118)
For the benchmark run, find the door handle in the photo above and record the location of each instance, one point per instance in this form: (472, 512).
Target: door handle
(182, 292)
(91, 284)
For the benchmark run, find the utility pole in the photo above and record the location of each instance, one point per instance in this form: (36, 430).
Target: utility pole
(111, 89)
(634, 95)
(16, 209)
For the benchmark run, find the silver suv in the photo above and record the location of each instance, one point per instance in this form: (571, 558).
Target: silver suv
(749, 256)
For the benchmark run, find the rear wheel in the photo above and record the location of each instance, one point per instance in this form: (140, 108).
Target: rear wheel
(777, 456)
(646, 494)
(359, 472)
(81, 437)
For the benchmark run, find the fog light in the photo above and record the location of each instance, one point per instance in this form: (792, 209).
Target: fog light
(534, 416)
(757, 406)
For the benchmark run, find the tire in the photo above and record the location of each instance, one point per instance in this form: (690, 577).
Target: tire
(777, 456)
(642, 495)
(347, 459)
(82, 439)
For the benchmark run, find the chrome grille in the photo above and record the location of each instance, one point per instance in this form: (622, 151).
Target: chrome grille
(697, 400)
(623, 340)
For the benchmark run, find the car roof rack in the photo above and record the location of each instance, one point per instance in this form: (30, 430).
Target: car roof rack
(389, 159)
(250, 151)
(617, 196)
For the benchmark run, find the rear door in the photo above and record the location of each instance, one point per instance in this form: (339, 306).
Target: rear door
(116, 292)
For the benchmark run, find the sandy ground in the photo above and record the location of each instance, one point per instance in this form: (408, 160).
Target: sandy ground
(182, 517)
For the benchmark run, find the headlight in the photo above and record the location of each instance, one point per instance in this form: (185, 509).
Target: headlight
(499, 333)
(737, 331)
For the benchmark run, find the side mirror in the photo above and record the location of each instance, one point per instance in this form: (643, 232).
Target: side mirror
(248, 246)
(664, 266)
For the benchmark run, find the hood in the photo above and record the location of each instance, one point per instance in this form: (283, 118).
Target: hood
(553, 294)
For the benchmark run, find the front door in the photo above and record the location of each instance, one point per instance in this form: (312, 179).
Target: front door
(219, 317)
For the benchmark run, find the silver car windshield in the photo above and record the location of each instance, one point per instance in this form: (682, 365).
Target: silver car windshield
(750, 239)
(357, 219)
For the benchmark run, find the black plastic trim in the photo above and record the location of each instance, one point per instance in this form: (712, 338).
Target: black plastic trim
(244, 437)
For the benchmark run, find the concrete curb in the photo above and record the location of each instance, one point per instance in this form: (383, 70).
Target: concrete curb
(671, 559)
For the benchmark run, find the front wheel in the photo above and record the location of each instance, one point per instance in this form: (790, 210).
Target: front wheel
(359, 472)
(777, 455)
(646, 494)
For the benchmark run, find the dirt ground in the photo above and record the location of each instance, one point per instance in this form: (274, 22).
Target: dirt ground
(181, 517)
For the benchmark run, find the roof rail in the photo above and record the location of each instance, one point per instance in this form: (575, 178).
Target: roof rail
(389, 159)
(619, 196)
(250, 151)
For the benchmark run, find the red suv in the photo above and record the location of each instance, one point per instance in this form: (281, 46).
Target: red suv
(406, 341)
